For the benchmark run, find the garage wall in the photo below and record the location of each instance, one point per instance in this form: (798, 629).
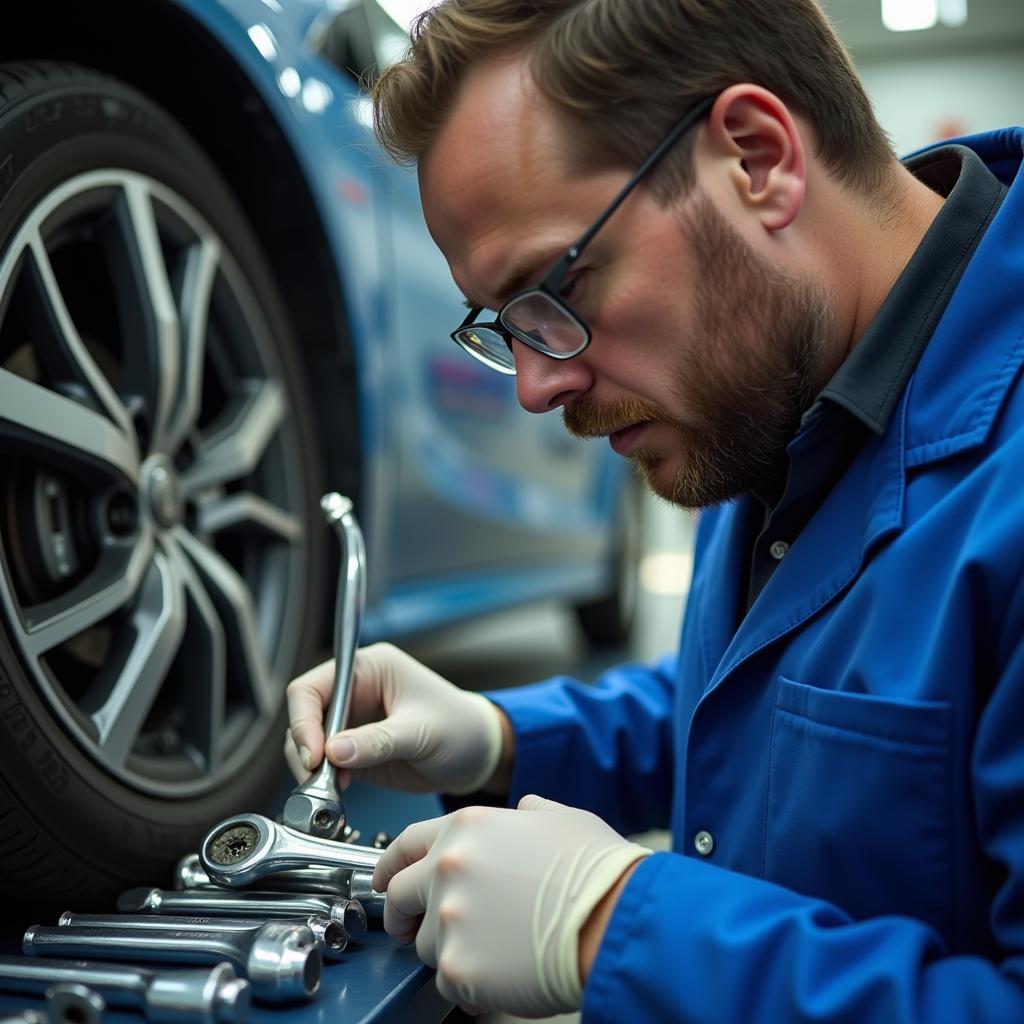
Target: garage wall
(921, 99)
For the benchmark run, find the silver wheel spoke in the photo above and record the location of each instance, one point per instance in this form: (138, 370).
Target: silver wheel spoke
(74, 349)
(112, 585)
(164, 373)
(205, 671)
(33, 414)
(132, 682)
(246, 510)
(234, 605)
(234, 450)
(200, 271)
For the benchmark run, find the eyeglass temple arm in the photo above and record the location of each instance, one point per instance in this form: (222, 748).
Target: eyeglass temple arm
(685, 123)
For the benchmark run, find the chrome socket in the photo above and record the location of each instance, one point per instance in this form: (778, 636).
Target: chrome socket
(281, 959)
(347, 914)
(214, 996)
(71, 1002)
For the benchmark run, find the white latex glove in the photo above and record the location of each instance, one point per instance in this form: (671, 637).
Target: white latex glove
(408, 727)
(495, 900)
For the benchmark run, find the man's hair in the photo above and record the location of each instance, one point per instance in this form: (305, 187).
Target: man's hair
(622, 72)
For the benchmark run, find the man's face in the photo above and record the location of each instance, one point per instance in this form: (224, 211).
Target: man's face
(703, 353)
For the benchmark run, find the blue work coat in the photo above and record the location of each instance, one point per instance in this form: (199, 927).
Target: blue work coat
(853, 748)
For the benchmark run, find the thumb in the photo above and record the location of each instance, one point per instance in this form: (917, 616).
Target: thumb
(532, 802)
(367, 746)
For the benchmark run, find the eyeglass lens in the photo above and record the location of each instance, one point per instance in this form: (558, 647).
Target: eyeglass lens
(541, 323)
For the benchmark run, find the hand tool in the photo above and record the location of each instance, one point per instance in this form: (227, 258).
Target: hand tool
(331, 938)
(26, 1017)
(316, 806)
(70, 1002)
(343, 882)
(213, 996)
(349, 914)
(281, 959)
(250, 846)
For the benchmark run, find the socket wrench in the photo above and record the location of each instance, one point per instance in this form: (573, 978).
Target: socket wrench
(349, 914)
(331, 938)
(70, 1002)
(281, 959)
(214, 996)
(316, 806)
(343, 882)
(26, 1017)
(248, 847)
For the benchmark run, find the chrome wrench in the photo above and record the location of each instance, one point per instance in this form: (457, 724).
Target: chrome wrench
(248, 847)
(316, 806)
(281, 959)
(73, 1003)
(331, 938)
(214, 996)
(348, 914)
(335, 882)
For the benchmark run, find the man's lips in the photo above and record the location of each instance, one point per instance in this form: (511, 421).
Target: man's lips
(625, 440)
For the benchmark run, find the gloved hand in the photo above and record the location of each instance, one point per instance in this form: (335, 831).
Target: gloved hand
(407, 727)
(503, 895)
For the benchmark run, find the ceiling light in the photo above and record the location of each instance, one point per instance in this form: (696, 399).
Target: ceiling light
(914, 15)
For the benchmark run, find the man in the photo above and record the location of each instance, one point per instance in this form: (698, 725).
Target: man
(699, 245)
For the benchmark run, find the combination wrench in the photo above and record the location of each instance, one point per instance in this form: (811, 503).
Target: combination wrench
(281, 959)
(215, 902)
(331, 938)
(213, 996)
(316, 806)
(335, 882)
(248, 847)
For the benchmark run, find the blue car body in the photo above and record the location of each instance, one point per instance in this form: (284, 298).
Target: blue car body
(469, 503)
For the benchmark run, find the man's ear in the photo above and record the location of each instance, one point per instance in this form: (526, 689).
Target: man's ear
(760, 142)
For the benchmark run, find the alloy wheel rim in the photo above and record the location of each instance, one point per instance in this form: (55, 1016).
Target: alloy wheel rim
(153, 587)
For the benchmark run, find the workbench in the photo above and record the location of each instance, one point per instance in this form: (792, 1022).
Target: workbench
(377, 982)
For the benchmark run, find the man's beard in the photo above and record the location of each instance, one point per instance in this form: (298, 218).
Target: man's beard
(745, 381)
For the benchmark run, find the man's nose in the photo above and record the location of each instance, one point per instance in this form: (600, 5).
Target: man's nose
(543, 383)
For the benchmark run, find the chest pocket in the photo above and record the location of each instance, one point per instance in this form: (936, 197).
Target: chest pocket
(857, 809)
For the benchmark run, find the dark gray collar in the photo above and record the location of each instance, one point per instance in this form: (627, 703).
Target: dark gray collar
(869, 383)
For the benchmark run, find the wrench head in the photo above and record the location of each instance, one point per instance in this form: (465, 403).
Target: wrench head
(315, 816)
(232, 848)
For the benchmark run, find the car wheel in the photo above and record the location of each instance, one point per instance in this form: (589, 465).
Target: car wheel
(161, 554)
(607, 621)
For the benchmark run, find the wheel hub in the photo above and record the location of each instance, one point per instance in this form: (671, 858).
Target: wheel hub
(162, 495)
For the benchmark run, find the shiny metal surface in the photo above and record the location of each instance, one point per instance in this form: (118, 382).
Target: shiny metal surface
(71, 1002)
(333, 882)
(249, 847)
(214, 996)
(331, 938)
(216, 902)
(281, 960)
(316, 806)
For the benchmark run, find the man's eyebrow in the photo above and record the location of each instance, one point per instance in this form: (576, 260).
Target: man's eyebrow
(524, 269)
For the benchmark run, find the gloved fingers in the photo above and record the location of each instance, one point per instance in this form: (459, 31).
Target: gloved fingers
(533, 802)
(405, 909)
(308, 695)
(291, 758)
(411, 846)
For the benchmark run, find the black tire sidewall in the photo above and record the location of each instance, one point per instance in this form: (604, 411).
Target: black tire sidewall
(66, 122)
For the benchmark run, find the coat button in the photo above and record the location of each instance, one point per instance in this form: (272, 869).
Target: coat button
(778, 550)
(704, 842)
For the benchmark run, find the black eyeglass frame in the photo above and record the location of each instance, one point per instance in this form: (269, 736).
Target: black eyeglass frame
(555, 277)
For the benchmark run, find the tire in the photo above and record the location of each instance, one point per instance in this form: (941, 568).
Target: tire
(607, 621)
(161, 548)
